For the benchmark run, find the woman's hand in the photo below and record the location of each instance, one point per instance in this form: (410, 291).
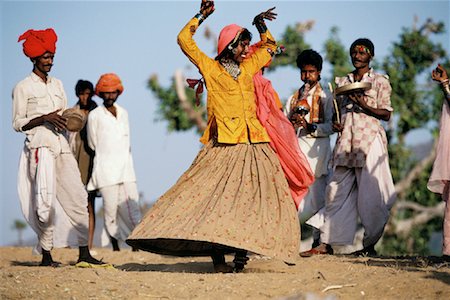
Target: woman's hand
(267, 15)
(206, 8)
(259, 22)
(439, 74)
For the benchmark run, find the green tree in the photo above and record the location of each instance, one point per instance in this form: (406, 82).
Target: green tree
(416, 102)
(20, 226)
(337, 55)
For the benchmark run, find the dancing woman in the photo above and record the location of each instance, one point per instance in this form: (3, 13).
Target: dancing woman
(234, 197)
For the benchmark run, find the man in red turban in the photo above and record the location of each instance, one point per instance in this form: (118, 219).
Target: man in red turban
(37, 42)
(49, 182)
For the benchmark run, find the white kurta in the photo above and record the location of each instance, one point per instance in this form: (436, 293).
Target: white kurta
(316, 146)
(109, 137)
(49, 182)
(113, 173)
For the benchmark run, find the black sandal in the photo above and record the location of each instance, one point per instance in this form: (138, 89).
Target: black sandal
(240, 260)
(218, 258)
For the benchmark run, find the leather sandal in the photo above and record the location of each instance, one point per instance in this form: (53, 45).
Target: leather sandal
(319, 250)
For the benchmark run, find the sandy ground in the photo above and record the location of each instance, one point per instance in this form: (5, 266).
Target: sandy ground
(142, 275)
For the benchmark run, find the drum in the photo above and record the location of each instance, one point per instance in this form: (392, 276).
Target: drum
(76, 119)
(353, 87)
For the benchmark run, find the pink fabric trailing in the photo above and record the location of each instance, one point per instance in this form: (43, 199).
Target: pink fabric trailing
(283, 139)
(441, 167)
(439, 181)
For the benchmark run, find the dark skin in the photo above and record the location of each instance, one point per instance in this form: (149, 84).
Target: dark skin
(440, 75)
(41, 67)
(361, 61)
(109, 98)
(308, 74)
(84, 98)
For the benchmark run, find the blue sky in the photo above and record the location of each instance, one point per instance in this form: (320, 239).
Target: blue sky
(136, 39)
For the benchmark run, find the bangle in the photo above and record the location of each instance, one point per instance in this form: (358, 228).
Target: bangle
(446, 88)
(200, 18)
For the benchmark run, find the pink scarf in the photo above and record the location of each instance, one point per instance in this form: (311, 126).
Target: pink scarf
(441, 167)
(283, 139)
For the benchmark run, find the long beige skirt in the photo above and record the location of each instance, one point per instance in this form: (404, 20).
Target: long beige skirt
(231, 197)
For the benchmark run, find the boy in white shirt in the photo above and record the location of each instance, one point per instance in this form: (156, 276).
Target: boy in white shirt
(313, 132)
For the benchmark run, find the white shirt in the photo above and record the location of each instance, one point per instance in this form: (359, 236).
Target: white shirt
(109, 137)
(316, 146)
(32, 98)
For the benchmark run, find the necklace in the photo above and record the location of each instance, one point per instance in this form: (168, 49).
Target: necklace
(231, 67)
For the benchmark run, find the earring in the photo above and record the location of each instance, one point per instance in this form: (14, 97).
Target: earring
(234, 51)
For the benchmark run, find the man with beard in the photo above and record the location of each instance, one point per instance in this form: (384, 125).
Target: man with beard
(113, 173)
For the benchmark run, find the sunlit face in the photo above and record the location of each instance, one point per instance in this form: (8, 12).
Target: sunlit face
(360, 57)
(241, 51)
(309, 74)
(85, 96)
(109, 98)
(44, 62)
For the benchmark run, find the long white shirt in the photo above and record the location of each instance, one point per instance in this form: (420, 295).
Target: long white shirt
(109, 137)
(316, 146)
(32, 97)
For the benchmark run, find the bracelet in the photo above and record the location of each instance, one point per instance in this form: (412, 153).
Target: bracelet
(200, 18)
(261, 26)
(446, 88)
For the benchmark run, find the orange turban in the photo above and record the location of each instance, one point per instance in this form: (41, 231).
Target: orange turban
(37, 42)
(109, 82)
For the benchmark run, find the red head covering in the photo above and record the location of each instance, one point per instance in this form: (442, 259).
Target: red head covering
(37, 42)
(227, 35)
(109, 82)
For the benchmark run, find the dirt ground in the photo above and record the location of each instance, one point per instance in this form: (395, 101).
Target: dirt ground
(142, 275)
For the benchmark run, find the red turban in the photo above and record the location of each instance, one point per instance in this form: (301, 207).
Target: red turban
(37, 42)
(227, 35)
(109, 82)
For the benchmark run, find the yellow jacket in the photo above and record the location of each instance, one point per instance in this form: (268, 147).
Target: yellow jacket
(231, 103)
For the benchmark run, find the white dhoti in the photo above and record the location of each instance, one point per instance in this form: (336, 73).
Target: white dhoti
(45, 181)
(318, 153)
(121, 209)
(366, 192)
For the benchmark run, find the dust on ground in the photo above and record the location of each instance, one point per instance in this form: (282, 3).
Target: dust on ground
(143, 275)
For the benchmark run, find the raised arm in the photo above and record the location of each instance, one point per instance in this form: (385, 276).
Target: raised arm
(440, 75)
(267, 47)
(185, 37)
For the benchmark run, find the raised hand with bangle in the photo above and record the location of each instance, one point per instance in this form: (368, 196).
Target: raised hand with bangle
(440, 75)
(206, 9)
(259, 22)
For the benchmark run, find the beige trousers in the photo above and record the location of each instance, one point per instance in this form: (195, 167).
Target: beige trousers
(367, 193)
(121, 209)
(62, 175)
